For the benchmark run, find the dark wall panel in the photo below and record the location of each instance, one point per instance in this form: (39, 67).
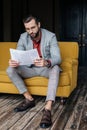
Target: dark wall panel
(1, 21)
(41, 9)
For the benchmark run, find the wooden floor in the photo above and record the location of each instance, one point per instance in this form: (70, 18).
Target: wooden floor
(71, 116)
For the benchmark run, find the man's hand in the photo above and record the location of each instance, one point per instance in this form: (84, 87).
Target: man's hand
(13, 63)
(40, 62)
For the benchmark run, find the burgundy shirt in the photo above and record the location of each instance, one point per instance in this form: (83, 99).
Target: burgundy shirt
(37, 46)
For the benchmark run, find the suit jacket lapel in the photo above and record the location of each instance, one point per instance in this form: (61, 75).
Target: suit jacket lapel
(29, 43)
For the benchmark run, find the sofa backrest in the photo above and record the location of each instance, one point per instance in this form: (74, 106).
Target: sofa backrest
(5, 53)
(67, 49)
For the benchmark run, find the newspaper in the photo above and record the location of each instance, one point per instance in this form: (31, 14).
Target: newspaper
(24, 57)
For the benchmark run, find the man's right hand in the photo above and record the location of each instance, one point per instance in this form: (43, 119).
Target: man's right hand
(13, 63)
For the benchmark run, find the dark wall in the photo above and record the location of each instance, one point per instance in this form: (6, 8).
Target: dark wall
(1, 21)
(41, 9)
(14, 11)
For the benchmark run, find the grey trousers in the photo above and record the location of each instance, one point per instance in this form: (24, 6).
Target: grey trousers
(19, 73)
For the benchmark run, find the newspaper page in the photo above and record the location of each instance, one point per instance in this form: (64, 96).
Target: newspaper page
(24, 57)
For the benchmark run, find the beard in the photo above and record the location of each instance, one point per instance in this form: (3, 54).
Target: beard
(35, 35)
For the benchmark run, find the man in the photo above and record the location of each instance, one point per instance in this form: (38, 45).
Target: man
(47, 66)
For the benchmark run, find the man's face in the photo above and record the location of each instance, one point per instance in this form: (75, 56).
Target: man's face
(32, 28)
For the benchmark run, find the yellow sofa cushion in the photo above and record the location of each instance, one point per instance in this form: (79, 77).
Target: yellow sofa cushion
(40, 81)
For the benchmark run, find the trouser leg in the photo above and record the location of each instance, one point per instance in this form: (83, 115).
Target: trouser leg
(53, 83)
(17, 74)
(53, 76)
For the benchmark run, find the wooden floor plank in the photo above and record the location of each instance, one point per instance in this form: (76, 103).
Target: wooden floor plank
(38, 117)
(83, 122)
(74, 119)
(27, 117)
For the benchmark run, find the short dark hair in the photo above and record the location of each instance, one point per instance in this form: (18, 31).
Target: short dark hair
(29, 18)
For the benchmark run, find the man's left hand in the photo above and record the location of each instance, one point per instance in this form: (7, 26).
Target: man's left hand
(40, 62)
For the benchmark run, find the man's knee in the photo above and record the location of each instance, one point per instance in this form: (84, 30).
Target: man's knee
(10, 71)
(56, 69)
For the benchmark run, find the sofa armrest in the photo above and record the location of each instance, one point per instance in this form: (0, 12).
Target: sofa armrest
(68, 63)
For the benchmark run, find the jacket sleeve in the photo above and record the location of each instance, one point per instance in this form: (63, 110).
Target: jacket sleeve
(55, 56)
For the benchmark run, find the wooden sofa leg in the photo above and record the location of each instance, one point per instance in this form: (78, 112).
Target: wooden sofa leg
(62, 101)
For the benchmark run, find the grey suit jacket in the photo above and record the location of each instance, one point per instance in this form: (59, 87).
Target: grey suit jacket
(49, 46)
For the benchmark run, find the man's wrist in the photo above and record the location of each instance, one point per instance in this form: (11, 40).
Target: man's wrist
(47, 63)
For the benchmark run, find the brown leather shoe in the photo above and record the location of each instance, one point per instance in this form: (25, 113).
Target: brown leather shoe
(24, 105)
(46, 119)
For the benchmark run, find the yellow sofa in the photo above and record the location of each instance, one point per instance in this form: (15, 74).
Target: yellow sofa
(38, 85)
